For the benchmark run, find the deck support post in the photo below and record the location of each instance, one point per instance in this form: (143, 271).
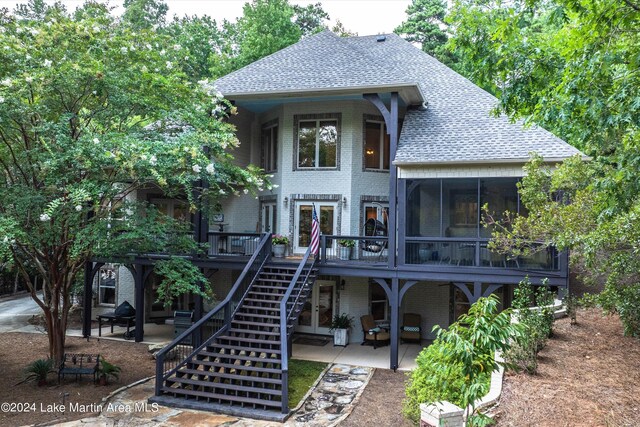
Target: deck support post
(87, 300)
(394, 301)
(138, 279)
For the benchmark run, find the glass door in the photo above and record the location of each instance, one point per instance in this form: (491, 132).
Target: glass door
(327, 213)
(269, 218)
(319, 310)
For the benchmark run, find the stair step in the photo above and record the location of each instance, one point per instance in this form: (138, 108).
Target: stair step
(239, 357)
(254, 323)
(271, 294)
(259, 316)
(254, 332)
(248, 340)
(247, 349)
(215, 396)
(274, 287)
(273, 302)
(235, 377)
(238, 368)
(234, 387)
(272, 280)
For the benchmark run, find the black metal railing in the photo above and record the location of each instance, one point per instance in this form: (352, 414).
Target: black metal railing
(474, 253)
(232, 244)
(181, 350)
(363, 249)
(291, 299)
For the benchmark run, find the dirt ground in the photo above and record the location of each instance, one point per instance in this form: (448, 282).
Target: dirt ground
(588, 375)
(381, 402)
(17, 350)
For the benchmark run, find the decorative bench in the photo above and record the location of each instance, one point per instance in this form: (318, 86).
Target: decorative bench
(79, 364)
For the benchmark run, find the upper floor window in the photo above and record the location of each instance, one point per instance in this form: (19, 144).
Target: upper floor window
(269, 148)
(376, 146)
(317, 144)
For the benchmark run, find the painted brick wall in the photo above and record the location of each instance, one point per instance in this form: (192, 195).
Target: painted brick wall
(431, 301)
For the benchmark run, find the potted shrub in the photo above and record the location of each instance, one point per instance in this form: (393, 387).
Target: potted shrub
(107, 370)
(279, 245)
(345, 248)
(38, 371)
(341, 326)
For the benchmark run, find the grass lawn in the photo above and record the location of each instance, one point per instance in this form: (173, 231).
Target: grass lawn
(302, 375)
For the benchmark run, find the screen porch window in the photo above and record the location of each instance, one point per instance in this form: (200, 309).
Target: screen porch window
(269, 148)
(317, 144)
(376, 146)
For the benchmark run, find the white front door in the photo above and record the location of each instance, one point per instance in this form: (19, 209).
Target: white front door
(328, 216)
(318, 311)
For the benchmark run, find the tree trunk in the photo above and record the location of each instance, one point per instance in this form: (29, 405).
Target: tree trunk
(15, 282)
(56, 332)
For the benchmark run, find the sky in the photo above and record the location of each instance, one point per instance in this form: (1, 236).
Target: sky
(364, 17)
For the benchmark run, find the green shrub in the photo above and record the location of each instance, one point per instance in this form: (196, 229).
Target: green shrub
(457, 366)
(621, 299)
(38, 370)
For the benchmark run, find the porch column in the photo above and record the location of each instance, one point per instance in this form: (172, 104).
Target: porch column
(138, 279)
(391, 121)
(394, 302)
(86, 301)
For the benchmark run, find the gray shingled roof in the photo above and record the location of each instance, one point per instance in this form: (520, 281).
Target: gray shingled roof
(318, 62)
(457, 126)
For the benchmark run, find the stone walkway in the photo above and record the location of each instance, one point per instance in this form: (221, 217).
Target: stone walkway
(326, 405)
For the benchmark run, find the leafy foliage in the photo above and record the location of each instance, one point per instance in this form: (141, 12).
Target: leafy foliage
(39, 369)
(92, 111)
(180, 277)
(424, 25)
(108, 370)
(457, 366)
(537, 323)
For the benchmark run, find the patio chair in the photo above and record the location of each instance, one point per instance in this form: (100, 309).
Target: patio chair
(372, 333)
(411, 329)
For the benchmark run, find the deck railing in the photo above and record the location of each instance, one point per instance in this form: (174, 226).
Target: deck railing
(291, 299)
(232, 244)
(214, 323)
(474, 253)
(366, 249)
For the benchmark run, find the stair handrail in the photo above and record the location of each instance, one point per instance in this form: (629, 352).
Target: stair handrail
(259, 258)
(285, 315)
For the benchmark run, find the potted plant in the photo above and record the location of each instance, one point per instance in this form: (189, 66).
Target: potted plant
(107, 370)
(38, 371)
(341, 326)
(279, 245)
(345, 248)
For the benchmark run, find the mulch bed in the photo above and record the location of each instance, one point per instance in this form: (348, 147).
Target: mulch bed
(17, 350)
(588, 375)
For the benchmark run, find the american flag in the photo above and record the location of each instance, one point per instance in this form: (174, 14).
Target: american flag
(315, 232)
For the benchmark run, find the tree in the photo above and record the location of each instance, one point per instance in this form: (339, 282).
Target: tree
(265, 27)
(92, 111)
(340, 30)
(310, 18)
(425, 25)
(145, 13)
(571, 67)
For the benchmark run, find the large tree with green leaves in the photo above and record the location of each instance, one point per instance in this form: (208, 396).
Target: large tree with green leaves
(425, 25)
(572, 67)
(92, 110)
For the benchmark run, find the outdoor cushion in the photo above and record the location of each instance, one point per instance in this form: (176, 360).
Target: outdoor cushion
(374, 331)
(411, 328)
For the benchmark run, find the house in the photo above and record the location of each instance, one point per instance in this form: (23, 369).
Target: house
(393, 150)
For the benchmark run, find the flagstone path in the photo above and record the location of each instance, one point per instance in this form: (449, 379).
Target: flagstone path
(330, 402)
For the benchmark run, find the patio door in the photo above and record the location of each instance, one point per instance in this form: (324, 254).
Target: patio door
(328, 216)
(319, 310)
(269, 218)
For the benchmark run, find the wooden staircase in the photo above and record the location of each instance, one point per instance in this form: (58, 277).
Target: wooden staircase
(239, 371)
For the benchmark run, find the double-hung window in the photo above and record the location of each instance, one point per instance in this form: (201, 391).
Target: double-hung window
(317, 144)
(376, 146)
(269, 148)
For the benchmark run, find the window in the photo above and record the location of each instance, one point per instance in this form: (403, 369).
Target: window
(107, 285)
(269, 217)
(269, 148)
(317, 144)
(378, 303)
(376, 146)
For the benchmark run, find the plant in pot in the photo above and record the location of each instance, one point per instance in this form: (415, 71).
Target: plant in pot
(107, 370)
(341, 325)
(345, 248)
(279, 245)
(38, 371)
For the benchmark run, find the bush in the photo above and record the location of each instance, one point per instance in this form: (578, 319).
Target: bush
(457, 366)
(537, 323)
(621, 299)
(38, 370)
